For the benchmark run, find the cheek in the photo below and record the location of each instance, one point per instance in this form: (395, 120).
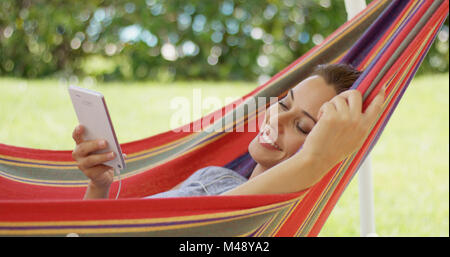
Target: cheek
(293, 144)
(262, 156)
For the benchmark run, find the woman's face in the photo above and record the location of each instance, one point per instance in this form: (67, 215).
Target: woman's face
(285, 128)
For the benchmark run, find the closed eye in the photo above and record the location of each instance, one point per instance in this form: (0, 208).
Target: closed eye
(283, 105)
(302, 130)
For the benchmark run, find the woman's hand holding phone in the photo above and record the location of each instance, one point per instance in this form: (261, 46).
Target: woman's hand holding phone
(101, 176)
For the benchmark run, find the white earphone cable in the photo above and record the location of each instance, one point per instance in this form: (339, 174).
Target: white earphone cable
(120, 183)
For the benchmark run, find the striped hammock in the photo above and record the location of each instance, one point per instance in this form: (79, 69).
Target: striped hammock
(41, 190)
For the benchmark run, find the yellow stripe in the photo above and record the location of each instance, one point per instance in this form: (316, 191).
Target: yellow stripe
(265, 226)
(392, 31)
(248, 213)
(287, 215)
(130, 156)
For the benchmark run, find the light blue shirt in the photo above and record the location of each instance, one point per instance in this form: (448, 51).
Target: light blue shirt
(212, 180)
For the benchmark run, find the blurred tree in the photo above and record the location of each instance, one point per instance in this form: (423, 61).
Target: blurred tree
(167, 40)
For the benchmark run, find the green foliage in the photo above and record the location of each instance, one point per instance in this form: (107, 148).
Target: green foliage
(167, 40)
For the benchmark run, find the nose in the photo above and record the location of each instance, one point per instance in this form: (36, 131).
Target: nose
(278, 120)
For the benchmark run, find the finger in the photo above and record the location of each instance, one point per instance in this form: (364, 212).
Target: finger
(375, 107)
(354, 99)
(124, 156)
(383, 91)
(77, 134)
(341, 104)
(96, 171)
(87, 147)
(350, 92)
(326, 109)
(95, 160)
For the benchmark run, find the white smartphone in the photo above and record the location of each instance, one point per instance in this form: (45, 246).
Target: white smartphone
(92, 113)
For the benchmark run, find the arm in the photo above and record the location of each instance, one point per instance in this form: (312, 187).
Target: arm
(340, 131)
(94, 191)
(292, 175)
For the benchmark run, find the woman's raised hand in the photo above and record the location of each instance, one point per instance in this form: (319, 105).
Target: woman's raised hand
(342, 127)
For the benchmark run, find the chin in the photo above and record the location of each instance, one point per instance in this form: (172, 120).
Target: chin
(262, 156)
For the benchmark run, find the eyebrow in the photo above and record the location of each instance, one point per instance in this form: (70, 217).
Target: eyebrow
(304, 112)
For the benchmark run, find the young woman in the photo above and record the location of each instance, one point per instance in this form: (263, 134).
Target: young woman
(319, 116)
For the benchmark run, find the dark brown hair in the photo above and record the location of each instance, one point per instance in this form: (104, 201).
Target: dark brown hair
(340, 76)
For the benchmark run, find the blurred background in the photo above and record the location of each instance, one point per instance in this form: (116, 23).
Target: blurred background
(140, 54)
(169, 40)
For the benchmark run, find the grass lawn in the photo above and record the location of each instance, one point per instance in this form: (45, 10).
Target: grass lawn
(410, 162)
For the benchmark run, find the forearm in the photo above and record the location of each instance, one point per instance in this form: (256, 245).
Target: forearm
(95, 192)
(292, 175)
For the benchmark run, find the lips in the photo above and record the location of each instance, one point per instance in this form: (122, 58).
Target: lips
(266, 139)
